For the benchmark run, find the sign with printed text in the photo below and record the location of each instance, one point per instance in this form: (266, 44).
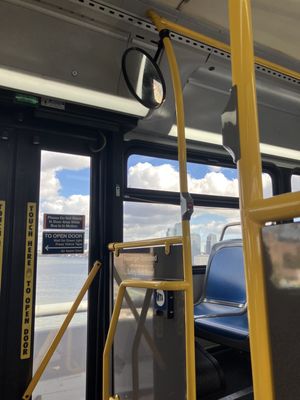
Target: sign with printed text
(64, 221)
(63, 242)
(28, 281)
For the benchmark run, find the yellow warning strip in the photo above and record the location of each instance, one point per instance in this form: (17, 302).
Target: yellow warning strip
(28, 281)
(2, 227)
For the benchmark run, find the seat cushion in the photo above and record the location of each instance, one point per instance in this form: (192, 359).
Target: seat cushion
(234, 327)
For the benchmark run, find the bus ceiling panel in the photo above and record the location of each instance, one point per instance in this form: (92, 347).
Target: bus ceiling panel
(279, 128)
(207, 94)
(275, 24)
(62, 50)
(274, 89)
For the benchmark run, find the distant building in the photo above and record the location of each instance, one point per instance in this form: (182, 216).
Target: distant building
(210, 241)
(195, 240)
(175, 230)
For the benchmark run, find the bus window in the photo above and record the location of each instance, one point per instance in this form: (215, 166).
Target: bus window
(149, 219)
(153, 173)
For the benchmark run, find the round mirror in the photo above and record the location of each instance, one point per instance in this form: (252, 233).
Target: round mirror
(143, 77)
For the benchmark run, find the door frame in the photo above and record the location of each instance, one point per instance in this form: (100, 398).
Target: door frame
(30, 131)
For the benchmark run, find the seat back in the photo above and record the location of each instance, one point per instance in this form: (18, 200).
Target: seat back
(225, 279)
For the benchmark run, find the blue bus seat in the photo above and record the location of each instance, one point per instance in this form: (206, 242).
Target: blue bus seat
(221, 313)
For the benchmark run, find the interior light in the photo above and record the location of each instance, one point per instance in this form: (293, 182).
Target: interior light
(63, 91)
(198, 135)
(216, 138)
(279, 151)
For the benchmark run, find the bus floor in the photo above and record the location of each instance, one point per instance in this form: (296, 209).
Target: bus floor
(225, 372)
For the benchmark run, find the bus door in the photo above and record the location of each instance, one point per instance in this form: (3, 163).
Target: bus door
(45, 241)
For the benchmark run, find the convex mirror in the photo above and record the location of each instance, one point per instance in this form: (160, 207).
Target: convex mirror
(143, 77)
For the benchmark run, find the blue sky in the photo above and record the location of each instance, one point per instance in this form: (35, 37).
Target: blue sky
(74, 181)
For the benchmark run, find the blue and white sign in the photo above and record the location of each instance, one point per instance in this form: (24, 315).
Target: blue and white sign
(63, 242)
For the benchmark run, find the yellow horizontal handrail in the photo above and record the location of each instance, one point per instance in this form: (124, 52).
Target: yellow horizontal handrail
(182, 30)
(35, 379)
(167, 242)
(282, 206)
(157, 285)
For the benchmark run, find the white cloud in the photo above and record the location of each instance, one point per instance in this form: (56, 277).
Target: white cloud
(57, 161)
(144, 175)
(215, 183)
(165, 177)
(145, 220)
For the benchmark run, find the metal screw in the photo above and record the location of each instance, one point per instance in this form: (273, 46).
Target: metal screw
(74, 72)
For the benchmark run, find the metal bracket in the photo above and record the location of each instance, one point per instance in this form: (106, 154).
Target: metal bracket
(187, 206)
(230, 126)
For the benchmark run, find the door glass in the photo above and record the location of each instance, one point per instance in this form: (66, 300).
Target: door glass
(62, 267)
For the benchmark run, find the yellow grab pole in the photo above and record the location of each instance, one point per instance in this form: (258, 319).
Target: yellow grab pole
(187, 259)
(62, 329)
(250, 191)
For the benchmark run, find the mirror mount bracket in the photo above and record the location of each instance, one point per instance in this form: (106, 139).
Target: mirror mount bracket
(162, 34)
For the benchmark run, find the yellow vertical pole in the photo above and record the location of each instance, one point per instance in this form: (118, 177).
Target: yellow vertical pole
(186, 240)
(243, 75)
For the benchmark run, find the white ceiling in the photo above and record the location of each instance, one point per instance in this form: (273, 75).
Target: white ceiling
(275, 22)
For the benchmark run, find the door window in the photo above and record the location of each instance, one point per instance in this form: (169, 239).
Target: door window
(62, 267)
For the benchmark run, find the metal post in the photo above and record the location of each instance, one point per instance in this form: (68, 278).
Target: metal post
(250, 183)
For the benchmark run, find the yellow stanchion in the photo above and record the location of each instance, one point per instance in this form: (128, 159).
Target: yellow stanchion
(187, 259)
(35, 379)
(250, 183)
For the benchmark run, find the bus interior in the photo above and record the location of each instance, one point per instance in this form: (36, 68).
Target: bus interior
(92, 200)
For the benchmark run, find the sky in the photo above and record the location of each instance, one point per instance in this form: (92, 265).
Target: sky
(65, 181)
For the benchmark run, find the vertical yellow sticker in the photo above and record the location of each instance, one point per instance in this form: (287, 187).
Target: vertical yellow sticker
(28, 281)
(2, 227)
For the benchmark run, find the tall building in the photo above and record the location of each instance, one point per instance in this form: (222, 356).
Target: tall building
(210, 241)
(195, 239)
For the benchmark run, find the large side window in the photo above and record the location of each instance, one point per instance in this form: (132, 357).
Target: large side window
(145, 172)
(154, 211)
